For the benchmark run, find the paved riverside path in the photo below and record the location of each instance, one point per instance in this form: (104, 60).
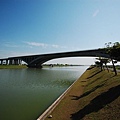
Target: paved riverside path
(68, 105)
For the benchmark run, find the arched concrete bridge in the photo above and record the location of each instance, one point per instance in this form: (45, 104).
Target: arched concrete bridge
(36, 61)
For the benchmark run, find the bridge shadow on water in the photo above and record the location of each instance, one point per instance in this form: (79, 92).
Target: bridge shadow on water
(98, 103)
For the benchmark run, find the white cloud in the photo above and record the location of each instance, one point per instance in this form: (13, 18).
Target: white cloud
(96, 13)
(55, 46)
(29, 44)
(37, 44)
(44, 45)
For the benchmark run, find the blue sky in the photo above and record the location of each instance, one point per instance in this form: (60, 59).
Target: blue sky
(50, 26)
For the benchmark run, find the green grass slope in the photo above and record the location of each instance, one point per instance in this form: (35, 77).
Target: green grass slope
(101, 97)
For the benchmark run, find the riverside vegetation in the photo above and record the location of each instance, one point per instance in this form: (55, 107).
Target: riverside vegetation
(94, 96)
(44, 65)
(12, 66)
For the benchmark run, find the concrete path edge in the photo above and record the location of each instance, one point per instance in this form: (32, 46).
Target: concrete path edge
(55, 103)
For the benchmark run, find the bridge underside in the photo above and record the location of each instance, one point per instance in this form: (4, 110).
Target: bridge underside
(36, 61)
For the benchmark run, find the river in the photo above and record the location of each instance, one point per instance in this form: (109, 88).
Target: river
(27, 93)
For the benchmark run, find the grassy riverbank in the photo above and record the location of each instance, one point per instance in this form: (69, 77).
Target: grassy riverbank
(12, 66)
(94, 96)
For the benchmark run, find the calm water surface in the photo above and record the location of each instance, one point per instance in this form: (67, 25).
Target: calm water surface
(26, 93)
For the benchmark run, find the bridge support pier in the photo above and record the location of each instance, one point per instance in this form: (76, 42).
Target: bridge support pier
(15, 61)
(19, 61)
(6, 62)
(10, 62)
(1, 62)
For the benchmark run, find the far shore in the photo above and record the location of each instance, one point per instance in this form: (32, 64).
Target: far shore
(44, 66)
(12, 66)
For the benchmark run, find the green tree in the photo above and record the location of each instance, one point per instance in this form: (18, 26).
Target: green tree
(103, 61)
(114, 51)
